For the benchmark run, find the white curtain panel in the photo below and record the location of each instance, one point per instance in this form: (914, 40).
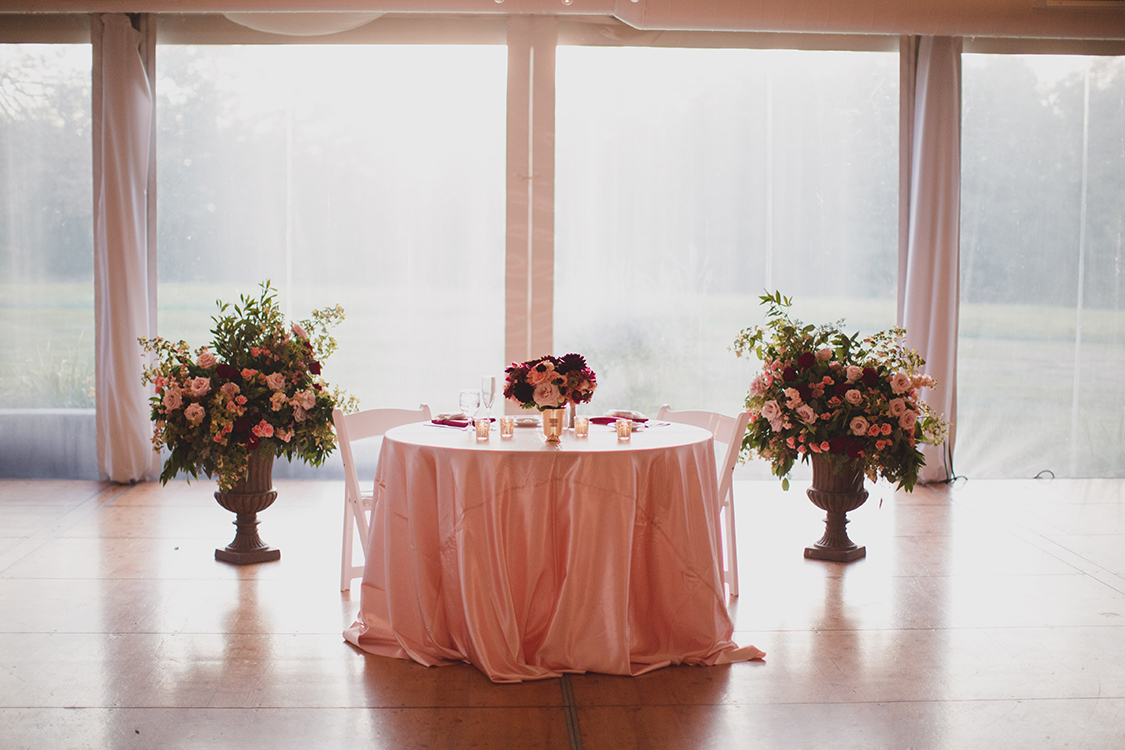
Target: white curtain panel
(929, 242)
(122, 128)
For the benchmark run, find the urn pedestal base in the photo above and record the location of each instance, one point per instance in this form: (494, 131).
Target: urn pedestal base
(836, 490)
(252, 494)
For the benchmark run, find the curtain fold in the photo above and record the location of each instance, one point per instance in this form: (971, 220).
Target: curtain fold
(123, 167)
(929, 228)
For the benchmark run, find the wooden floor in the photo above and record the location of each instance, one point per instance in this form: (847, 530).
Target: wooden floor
(986, 615)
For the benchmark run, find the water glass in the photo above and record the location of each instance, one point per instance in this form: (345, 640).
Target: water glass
(469, 401)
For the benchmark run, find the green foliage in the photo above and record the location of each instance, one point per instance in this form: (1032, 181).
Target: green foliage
(822, 391)
(257, 388)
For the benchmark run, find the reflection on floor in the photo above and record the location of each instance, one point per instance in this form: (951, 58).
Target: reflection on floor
(986, 615)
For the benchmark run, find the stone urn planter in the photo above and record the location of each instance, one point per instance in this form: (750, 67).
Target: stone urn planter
(250, 495)
(836, 489)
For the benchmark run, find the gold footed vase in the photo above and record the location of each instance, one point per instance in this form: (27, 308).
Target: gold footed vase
(252, 493)
(554, 421)
(836, 489)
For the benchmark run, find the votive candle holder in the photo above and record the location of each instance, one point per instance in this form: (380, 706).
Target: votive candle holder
(624, 429)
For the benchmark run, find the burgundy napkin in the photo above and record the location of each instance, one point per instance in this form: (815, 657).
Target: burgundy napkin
(613, 420)
(456, 422)
(451, 422)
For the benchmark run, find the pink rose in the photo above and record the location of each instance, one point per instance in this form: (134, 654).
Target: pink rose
(853, 397)
(547, 395)
(771, 410)
(277, 401)
(805, 412)
(299, 332)
(853, 373)
(757, 386)
(206, 359)
(907, 421)
(885, 429)
(858, 426)
(824, 354)
(200, 386)
(230, 390)
(305, 399)
(276, 381)
(896, 407)
(194, 414)
(539, 373)
(172, 399)
(263, 429)
(901, 382)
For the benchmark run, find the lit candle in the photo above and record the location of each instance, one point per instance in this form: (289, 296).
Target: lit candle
(581, 426)
(624, 429)
(507, 426)
(482, 429)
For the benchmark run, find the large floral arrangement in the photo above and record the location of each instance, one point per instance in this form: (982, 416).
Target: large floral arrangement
(550, 382)
(821, 391)
(256, 388)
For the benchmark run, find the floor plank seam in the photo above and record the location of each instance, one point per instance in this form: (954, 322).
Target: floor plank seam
(570, 711)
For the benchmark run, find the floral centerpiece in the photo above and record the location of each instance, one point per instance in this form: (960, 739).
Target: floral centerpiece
(821, 391)
(550, 382)
(256, 388)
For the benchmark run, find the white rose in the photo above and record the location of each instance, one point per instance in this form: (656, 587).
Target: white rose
(547, 395)
(858, 426)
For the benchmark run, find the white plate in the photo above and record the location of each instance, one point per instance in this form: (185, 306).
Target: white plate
(527, 422)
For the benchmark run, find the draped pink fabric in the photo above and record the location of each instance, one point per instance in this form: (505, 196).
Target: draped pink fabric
(930, 225)
(123, 155)
(529, 560)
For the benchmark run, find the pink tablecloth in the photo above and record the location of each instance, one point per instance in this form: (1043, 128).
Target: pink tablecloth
(530, 560)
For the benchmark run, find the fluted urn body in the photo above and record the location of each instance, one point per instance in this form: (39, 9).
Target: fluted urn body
(250, 495)
(837, 487)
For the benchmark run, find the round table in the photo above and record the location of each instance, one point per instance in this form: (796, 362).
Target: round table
(529, 559)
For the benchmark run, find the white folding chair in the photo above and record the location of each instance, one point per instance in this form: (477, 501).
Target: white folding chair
(728, 433)
(351, 428)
